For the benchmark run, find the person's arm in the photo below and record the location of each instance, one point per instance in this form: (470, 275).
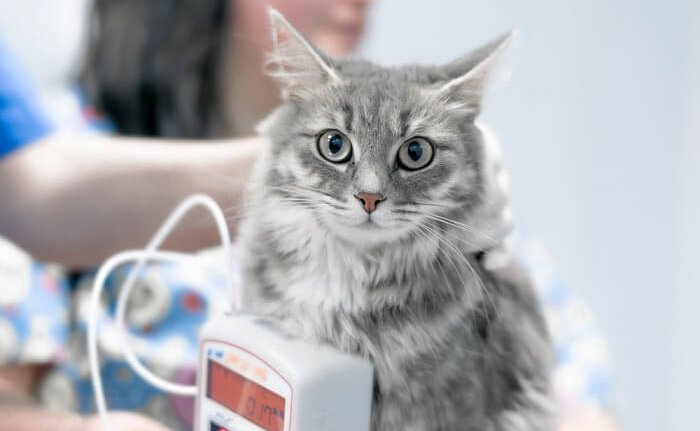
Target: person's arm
(18, 412)
(75, 200)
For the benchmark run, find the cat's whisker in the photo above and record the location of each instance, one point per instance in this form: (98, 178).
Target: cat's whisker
(297, 187)
(426, 235)
(252, 212)
(437, 261)
(432, 204)
(456, 236)
(316, 196)
(432, 217)
(232, 208)
(309, 203)
(464, 226)
(460, 255)
(436, 235)
(453, 223)
(286, 187)
(442, 240)
(236, 182)
(313, 205)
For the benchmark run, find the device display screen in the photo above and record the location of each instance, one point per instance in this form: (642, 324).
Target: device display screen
(245, 397)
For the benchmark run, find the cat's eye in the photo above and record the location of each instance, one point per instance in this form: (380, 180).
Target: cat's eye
(416, 153)
(334, 146)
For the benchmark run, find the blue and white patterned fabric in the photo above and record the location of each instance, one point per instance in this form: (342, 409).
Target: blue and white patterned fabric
(33, 309)
(168, 305)
(582, 376)
(171, 302)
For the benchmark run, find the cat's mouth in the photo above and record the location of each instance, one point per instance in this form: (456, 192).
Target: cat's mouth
(368, 231)
(369, 223)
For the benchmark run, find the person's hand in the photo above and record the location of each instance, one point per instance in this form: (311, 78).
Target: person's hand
(492, 220)
(123, 421)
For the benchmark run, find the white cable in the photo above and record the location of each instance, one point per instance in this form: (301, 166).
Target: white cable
(141, 258)
(98, 285)
(155, 242)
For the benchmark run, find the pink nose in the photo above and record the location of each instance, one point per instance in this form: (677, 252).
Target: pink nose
(370, 200)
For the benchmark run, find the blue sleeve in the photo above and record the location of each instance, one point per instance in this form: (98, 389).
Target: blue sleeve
(22, 119)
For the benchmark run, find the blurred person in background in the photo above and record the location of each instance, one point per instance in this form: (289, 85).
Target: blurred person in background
(192, 69)
(188, 73)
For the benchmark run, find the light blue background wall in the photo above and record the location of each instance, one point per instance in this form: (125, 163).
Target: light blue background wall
(597, 128)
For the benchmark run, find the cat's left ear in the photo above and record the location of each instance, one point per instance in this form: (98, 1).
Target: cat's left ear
(469, 75)
(294, 61)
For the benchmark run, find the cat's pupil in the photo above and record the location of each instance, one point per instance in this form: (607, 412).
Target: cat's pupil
(415, 151)
(335, 143)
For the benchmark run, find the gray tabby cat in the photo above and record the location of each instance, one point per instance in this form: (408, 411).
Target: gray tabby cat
(358, 236)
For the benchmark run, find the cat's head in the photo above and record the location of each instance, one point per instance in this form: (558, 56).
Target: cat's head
(374, 154)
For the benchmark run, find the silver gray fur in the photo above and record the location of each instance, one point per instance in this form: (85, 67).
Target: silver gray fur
(455, 347)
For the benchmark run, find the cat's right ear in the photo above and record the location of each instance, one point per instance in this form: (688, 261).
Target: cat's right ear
(294, 61)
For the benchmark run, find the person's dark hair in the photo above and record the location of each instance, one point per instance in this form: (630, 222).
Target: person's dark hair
(153, 66)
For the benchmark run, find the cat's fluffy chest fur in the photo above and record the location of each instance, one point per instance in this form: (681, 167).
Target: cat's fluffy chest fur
(446, 354)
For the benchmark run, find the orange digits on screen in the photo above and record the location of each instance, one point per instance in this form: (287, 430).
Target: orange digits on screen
(245, 397)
